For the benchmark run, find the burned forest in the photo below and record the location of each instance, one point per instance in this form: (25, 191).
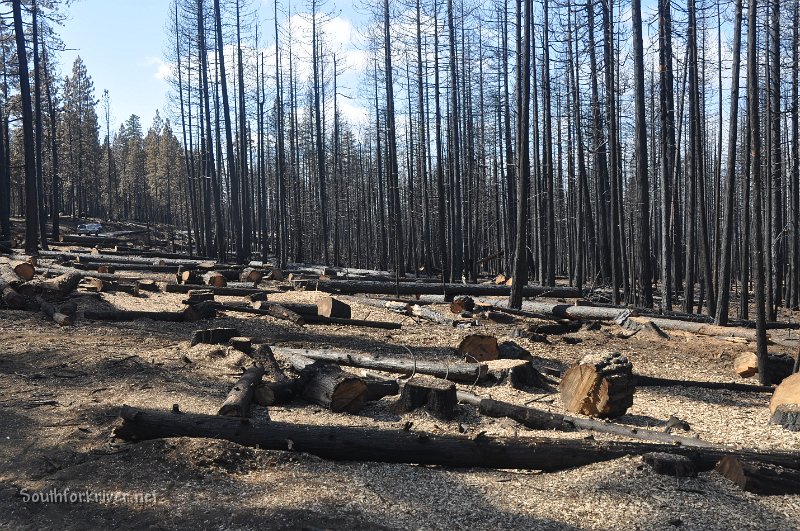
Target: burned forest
(400, 265)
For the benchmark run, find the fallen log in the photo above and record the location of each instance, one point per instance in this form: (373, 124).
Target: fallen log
(24, 270)
(251, 275)
(215, 279)
(86, 240)
(600, 385)
(11, 298)
(758, 478)
(538, 419)
(329, 307)
(670, 464)
(6, 249)
(61, 319)
(462, 304)
(265, 308)
(109, 286)
(454, 371)
(228, 291)
(326, 384)
(9, 277)
(58, 287)
(192, 313)
(348, 443)
(242, 344)
(351, 287)
(519, 373)
(237, 404)
(319, 319)
(654, 381)
(787, 415)
(788, 392)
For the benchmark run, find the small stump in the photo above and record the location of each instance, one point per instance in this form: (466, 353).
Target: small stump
(600, 385)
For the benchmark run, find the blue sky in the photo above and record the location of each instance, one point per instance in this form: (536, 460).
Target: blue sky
(121, 42)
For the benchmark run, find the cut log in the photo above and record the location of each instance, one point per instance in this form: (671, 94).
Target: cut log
(274, 393)
(251, 275)
(423, 312)
(215, 278)
(778, 366)
(434, 394)
(477, 348)
(228, 291)
(275, 274)
(99, 285)
(213, 335)
(199, 295)
(327, 385)
(454, 371)
(670, 464)
(237, 404)
(759, 478)
(399, 446)
(58, 287)
(500, 279)
(147, 284)
(519, 374)
(462, 304)
(61, 319)
(329, 307)
(193, 313)
(377, 389)
(189, 277)
(654, 381)
(788, 392)
(87, 240)
(299, 308)
(600, 385)
(265, 308)
(9, 277)
(562, 327)
(352, 287)
(322, 320)
(242, 344)
(509, 350)
(24, 270)
(788, 416)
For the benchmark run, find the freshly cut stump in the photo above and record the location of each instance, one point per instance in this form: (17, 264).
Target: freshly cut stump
(600, 385)
(329, 386)
(788, 416)
(24, 270)
(788, 392)
(330, 307)
(462, 304)
(215, 279)
(435, 394)
(251, 275)
(188, 277)
(759, 478)
(479, 348)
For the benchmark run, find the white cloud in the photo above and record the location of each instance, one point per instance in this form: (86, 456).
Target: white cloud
(163, 70)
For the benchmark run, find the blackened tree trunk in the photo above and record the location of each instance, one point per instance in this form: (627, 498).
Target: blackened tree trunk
(31, 197)
(724, 265)
(319, 139)
(775, 243)
(756, 183)
(667, 168)
(643, 181)
(522, 160)
(39, 130)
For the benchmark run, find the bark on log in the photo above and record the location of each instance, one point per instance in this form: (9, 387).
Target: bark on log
(193, 313)
(398, 446)
(237, 404)
(476, 348)
(670, 464)
(788, 416)
(213, 335)
(199, 295)
(58, 287)
(265, 308)
(275, 393)
(322, 320)
(462, 304)
(377, 389)
(242, 344)
(428, 314)
(600, 385)
(759, 478)
(147, 284)
(188, 277)
(351, 287)
(654, 381)
(228, 291)
(61, 319)
(99, 285)
(9, 277)
(434, 394)
(519, 374)
(455, 371)
(251, 275)
(327, 385)
(87, 240)
(538, 419)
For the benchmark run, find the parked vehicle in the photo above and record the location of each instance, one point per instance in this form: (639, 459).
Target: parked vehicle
(90, 228)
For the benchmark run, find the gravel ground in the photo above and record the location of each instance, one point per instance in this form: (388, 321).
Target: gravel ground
(61, 390)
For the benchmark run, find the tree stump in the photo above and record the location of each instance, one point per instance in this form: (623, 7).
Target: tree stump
(479, 348)
(188, 277)
(242, 344)
(667, 464)
(214, 335)
(600, 385)
(199, 295)
(788, 416)
(779, 366)
(251, 275)
(434, 394)
(24, 270)
(329, 386)
(147, 284)
(788, 392)
(516, 373)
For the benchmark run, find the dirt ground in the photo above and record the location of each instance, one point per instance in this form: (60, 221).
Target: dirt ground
(61, 390)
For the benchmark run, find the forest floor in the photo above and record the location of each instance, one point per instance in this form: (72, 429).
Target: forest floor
(61, 390)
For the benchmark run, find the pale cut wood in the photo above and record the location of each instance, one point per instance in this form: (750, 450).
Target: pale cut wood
(329, 307)
(788, 392)
(215, 279)
(600, 385)
(478, 348)
(251, 275)
(24, 270)
(759, 478)
(746, 364)
(327, 385)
